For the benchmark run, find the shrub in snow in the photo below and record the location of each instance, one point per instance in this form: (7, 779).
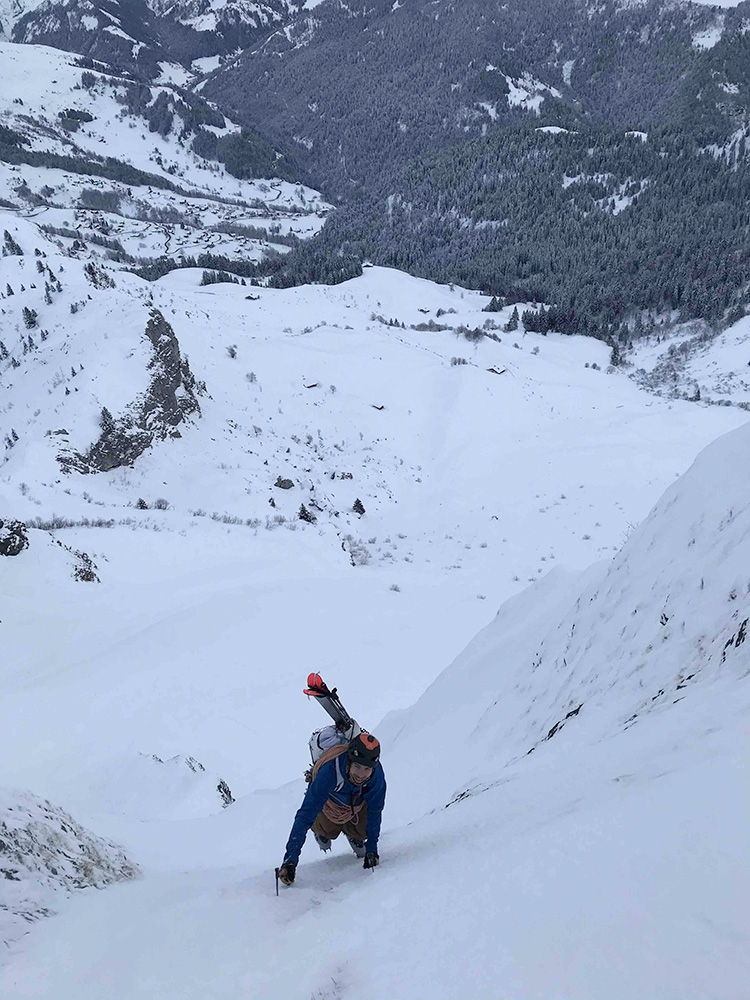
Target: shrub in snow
(358, 507)
(284, 484)
(97, 276)
(13, 538)
(85, 570)
(359, 555)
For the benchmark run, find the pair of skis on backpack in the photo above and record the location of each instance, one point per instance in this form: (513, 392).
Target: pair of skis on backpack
(344, 728)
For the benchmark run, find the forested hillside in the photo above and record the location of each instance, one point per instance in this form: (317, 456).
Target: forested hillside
(598, 223)
(593, 160)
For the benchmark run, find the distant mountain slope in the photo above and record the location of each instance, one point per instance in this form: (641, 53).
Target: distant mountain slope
(445, 130)
(615, 231)
(12, 11)
(370, 83)
(138, 34)
(89, 139)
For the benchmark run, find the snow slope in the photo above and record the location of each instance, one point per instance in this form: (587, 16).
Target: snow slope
(46, 855)
(473, 483)
(610, 861)
(159, 626)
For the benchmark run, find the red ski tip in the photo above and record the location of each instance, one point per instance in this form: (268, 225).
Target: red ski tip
(315, 685)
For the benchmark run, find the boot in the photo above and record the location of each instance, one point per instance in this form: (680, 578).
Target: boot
(324, 843)
(358, 846)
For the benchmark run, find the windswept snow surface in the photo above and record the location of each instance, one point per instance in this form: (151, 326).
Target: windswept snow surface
(614, 841)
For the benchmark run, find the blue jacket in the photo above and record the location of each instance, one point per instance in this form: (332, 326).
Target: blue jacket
(332, 782)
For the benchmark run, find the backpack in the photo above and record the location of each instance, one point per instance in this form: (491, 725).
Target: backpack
(323, 739)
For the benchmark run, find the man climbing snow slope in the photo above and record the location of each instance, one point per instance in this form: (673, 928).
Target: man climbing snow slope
(346, 795)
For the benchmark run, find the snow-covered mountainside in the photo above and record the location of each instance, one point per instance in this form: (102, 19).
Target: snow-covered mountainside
(210, 486)
(140, 34)
(566, 801)
(218, 15)
(147, 172)
(697, 362)
(12, 11)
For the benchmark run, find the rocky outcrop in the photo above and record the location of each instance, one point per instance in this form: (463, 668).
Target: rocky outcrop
(44, 856)
(171, 398)
(13, 537)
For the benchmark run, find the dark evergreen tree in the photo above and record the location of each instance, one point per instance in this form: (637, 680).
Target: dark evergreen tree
(30, 317)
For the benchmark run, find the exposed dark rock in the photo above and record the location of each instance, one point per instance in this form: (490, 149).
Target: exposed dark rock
(225, 792)
(284, 484)
(13, 537)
